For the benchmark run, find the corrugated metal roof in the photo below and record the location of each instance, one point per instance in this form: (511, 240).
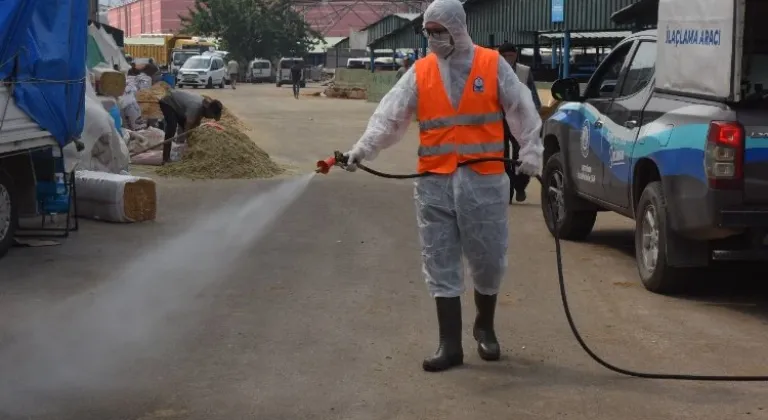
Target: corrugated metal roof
(330, 42)
(590, 35)
(409, 16)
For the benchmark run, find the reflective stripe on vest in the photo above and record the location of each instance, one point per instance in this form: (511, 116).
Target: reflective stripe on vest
(473, 129)
(471, 119)
(462, 149)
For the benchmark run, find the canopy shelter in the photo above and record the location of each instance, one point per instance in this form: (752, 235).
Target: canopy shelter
(643, 14)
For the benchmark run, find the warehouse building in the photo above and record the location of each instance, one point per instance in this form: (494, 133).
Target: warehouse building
(547, 29)
(356, 45)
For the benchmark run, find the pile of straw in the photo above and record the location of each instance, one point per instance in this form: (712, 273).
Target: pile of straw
(216, 154)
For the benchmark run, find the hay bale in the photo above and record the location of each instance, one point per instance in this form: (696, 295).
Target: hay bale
(148, 102)
(110, 83)
(215, 154)
(115, 198)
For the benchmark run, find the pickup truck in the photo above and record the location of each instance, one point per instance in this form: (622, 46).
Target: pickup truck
(38, 119)
(19, 135)
(691, 169)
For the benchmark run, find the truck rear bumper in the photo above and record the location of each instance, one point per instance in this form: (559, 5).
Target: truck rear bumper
(753, 218)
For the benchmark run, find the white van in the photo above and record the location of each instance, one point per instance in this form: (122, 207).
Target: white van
(203, 70)
(284, 71)
(260, 70)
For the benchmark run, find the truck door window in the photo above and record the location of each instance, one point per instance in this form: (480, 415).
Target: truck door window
(641, 69)
(606, 77)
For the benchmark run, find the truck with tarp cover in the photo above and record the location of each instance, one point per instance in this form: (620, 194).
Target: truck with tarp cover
(42, 94)
(672, 131)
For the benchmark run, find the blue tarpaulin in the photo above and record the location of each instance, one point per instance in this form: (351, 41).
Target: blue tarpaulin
(43, 51)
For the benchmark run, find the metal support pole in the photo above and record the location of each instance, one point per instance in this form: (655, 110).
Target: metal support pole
(566, 54)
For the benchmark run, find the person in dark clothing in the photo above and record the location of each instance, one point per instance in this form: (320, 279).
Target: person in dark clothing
(184, 111)
(296, 71)
(518, 182)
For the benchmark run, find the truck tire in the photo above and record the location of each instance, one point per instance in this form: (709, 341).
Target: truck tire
(651, 242)
(209, 85)
(8, 214)
(571, 224)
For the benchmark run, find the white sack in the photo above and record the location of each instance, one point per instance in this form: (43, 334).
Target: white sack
(131, 111)
(105, 150)
(144, 139)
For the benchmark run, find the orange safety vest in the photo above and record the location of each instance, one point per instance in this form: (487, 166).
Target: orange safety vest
(475, 130)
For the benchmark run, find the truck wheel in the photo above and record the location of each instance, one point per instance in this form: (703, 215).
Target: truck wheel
(651, 243)
(556, 196)
(8, 215)
(209, 85)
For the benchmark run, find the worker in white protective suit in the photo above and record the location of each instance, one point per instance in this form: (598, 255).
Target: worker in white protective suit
(461, 93)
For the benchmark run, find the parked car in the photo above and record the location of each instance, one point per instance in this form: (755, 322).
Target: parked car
(260, 71)
(203, 70)
(671, 142)
(284, 71)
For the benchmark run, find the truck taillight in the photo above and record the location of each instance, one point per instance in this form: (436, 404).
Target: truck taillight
(724, 155)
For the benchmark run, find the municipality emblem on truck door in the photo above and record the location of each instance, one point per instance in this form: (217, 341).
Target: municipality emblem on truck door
(585, 138)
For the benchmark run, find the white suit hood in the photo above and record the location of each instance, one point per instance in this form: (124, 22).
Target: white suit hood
(450, 14)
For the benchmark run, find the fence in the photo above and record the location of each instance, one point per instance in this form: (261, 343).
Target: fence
(376, 84)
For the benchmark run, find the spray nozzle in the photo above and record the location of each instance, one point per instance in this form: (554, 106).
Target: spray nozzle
(338, 159)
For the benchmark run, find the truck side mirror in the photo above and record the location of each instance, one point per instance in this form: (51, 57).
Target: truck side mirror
(566, 90)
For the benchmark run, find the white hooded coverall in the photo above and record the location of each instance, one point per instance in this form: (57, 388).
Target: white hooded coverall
(464, 212)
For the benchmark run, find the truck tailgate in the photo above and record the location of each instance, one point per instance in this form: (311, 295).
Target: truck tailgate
(17, 131)
(755, 124)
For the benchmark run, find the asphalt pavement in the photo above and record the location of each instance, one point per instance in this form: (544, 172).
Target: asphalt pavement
(327, 315)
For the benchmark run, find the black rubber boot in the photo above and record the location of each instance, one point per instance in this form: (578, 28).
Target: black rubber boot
(487, 343)
(520, 195)
(449, 353)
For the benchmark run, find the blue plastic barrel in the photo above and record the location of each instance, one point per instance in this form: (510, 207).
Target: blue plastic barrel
(115, 113)
(168, 78)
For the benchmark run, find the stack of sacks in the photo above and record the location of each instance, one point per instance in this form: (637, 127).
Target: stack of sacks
(104, 148)
(115, 198)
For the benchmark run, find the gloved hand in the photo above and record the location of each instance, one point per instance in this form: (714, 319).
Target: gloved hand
(530, 165)
(354, 156)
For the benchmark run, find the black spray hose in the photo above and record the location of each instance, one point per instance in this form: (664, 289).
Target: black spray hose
(564, 295)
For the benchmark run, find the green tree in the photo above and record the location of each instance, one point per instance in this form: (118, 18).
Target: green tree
(252, 28)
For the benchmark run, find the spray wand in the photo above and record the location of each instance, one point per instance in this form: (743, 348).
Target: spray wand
(341, 160)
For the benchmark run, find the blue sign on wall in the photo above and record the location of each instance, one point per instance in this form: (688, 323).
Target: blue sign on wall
(558, 11)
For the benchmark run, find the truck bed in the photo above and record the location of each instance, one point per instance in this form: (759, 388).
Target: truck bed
(18, 132)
